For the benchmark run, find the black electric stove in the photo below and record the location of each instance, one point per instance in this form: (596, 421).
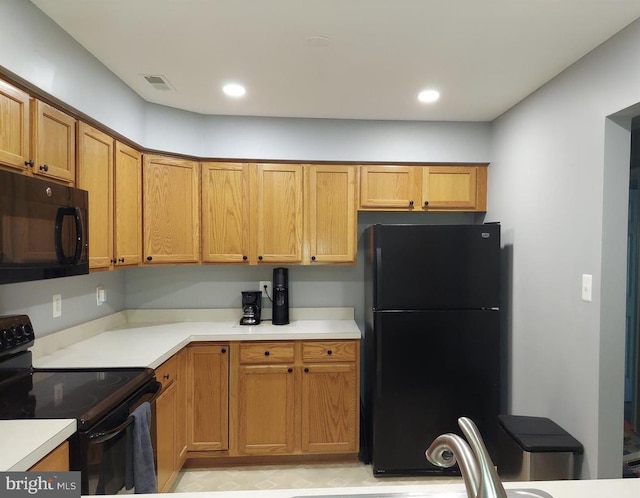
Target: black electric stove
(100, 399)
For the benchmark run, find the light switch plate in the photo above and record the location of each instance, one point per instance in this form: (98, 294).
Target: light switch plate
(587, 281)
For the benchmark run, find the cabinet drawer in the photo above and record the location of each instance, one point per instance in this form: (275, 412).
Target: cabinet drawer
(167, 372)
(329, 351)
(267, 352)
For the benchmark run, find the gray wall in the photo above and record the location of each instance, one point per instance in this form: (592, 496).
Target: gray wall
(558, 183)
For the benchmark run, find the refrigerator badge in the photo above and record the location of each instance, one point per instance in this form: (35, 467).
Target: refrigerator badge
(486, 235)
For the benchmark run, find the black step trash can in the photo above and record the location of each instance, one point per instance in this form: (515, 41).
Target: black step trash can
(535, 449)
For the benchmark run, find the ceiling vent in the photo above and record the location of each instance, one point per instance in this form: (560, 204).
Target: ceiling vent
(159, 82)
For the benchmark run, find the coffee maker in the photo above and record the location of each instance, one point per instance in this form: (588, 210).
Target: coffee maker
(251, 306)
(280, 296)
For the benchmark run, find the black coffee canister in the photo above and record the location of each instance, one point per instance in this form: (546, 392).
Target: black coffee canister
(280, 280)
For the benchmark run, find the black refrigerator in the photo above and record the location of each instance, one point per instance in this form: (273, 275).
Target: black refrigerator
(431, 342)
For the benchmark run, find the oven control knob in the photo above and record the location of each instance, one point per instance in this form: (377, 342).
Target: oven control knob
(17, 332)
(8, 338)
(27, 330)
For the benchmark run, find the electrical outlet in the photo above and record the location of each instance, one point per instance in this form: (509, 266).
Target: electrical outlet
(57, 305)
(101, 295)
(266, 292)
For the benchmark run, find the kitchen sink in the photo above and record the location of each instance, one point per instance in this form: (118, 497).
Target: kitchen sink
(511, 493)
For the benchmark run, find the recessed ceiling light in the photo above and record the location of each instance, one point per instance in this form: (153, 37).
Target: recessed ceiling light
(318, 41)
(428, 95)
(234, 90)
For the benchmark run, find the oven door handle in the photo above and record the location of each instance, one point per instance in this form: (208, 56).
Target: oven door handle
(101, 437)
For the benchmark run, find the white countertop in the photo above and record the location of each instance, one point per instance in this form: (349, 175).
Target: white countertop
(150, 344)
(614, 488)
(138, 344)
(25, 442)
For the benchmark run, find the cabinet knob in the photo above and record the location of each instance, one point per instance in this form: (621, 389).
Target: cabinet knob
(289, 369)
(244, 258)
(266, 353)
(223, 350)
(121, 260)
(426, 203)
(410, 203)
(44, 167)
(260, 258)
(165, 376)
(113, 261)
(313, 258)
(29, 163)
(306, 370)
(329, 352)
(149, 258)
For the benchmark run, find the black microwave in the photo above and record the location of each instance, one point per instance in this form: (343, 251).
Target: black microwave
(44, 230)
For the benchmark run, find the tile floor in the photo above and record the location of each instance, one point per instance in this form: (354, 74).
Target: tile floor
(293, 476)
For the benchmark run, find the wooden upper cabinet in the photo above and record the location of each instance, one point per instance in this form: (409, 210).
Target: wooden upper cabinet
(449, 187)
(225, 212)
(277, 223)
(424, 188)
(54, 142)
(171, 210)
(128, 206)
(95, 175)
(389, 186)
(330, 207)
(14, 127)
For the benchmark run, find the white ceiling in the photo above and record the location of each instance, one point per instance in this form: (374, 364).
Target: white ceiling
(482, 55)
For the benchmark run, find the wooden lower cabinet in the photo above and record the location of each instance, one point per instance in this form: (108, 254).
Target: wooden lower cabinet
(168, 412)
(265, 423)
(329, 408)
(166, 437)
(251, 400)
(56, 461)
(208, 397)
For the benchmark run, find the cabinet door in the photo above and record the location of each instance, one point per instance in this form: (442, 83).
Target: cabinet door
(277, 212)
(181, 407)
(266, 411)
(225, 212)
(128, 206)
(390, 187)
(329, 408)
(166, 436)
(54, 142)
(449, 187)
(95, 175)
(14, 127)
(330, 203)
(208, 397)
(171, 200)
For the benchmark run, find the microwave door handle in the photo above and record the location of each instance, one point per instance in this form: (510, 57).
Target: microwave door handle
(62, 257)
(79, 236)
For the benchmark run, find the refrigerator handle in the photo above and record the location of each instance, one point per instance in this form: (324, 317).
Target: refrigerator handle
(378, 276)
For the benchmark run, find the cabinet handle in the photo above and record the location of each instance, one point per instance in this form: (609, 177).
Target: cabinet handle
(313, 258)
(260, 258)
(411, 203)
(306, 370)
(244, 258)
(165, 376)
(223, 350)
(121, 260)
(44, 167)
(113, 261)
(426, 203)
(329, 352)
(266, 353)
(149, 258)
(29, 163)
(289, 369)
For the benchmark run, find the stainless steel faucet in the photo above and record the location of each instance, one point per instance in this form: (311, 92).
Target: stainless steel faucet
(478, 472)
